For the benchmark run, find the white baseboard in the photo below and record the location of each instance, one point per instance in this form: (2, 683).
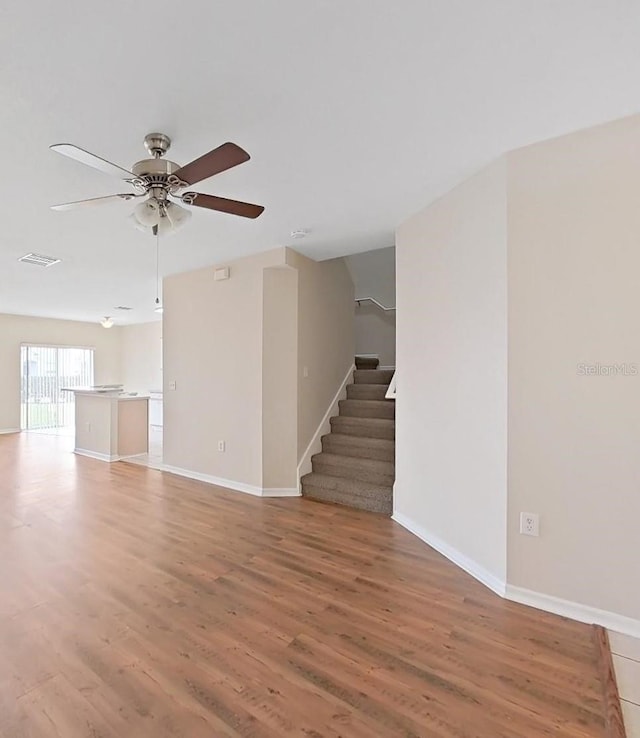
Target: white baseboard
(232, 484)
(280, 492)
(315, 445)
(539, 600)
(574, 610)
(95, 455)
(3, 431)
(388, 368)
(483, 575)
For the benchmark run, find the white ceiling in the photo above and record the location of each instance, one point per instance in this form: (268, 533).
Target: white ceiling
(356, 114)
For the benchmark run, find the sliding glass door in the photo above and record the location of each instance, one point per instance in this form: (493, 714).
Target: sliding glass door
(46, 370)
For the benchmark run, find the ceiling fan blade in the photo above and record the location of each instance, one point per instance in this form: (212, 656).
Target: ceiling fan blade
(94, 201)
(91, 160)
(234, 207)
(224, 157)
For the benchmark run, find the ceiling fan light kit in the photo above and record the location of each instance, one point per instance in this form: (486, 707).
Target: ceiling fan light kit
(161, 181)
(167, 218)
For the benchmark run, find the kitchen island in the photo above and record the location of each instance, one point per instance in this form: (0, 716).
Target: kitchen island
(111, 424)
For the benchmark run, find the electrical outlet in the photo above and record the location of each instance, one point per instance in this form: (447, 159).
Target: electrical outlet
(530, 524)
(305, 371)
(221, 445)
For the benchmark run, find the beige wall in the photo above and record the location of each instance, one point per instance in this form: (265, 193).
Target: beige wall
(212, 339)
(280, 378)
(16, 329)
(374, 275)
(237, 349)
(574, 276)
(572, 262)
(141, 356)
(325, 338)
(451, 421)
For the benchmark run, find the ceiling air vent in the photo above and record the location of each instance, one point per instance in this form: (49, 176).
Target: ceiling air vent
(122, 307)
(39, 260)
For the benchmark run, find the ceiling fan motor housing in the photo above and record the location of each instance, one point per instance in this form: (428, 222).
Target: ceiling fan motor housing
(157, 144)
(154, 174)
(155, 169)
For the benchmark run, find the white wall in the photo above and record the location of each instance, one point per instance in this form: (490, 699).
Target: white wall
(141, 356)
(574, 297)
(374, 275)
(17, 329)
(451, 411)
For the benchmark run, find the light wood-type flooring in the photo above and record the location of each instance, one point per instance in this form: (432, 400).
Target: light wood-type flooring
(139, 604)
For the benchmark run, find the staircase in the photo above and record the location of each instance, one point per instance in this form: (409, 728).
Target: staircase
(357, 463)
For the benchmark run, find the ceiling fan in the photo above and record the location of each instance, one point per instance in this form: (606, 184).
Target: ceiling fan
(160, 182)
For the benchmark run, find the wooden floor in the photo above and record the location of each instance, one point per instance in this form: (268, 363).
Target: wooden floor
(137, 604)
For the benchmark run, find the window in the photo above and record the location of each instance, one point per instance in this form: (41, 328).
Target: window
(46, 371)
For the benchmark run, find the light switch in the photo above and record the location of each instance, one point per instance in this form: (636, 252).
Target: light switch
(172, 385)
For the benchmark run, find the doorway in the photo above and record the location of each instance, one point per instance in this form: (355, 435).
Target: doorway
(46, 372)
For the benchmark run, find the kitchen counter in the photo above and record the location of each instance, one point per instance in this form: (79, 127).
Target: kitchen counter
(110, 424)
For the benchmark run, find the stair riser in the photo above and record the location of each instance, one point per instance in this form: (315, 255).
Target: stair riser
(368, 409)
(366, 391)
(331, 446)
(378, 505)
(362, 363)
(375, 376)
(363, 431)
(347, 472)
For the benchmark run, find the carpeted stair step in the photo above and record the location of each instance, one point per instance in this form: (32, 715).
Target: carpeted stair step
(368, 408)
(366, 391)
(373, 376)
(381, 449)
(351, 492)
(367, 362)
(372, 471)
(356, 467)
(365, 427)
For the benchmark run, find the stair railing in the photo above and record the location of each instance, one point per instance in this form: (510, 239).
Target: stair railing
(375, 302)
(391, 390)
